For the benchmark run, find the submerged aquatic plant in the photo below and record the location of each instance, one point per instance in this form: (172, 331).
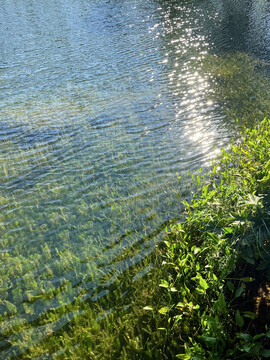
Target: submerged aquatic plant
(188, 305)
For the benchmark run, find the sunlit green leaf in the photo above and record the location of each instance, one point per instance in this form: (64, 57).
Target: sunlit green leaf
(203, 284)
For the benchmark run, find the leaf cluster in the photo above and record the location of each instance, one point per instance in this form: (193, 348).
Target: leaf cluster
(209, 259)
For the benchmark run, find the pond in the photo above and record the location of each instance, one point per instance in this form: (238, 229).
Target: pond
(105, 106)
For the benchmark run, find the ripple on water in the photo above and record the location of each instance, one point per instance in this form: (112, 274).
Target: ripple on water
(102, 105)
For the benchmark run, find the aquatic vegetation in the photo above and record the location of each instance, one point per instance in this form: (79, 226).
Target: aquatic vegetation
(240, 85)
(70, 227)
(89, 152)
(219, 256)
(76, 228)
(187, 302)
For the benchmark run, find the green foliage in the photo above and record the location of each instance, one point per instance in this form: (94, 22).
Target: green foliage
(225, 231)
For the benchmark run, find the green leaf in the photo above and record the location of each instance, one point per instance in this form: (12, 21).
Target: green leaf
(255, 350)
(164, 283)
(249, 314)
(247, 279)
(252, 200)
(239, 292)
(263, 265)
(183, 356)
(222, 303)
(164, 310)
(209, 340)
(246, 337)
(239, 319)
(265, 353)
(230, 285)
(228, 230)
(203, 284)
(258, 336)
(249, 260)
(177, 318)
(246, 347)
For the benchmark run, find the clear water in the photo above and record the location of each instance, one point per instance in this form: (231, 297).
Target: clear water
(103, 105)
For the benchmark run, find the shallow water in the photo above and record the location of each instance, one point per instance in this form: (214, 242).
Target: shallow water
(104, 104)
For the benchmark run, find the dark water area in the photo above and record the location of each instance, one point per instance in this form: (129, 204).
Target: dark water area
(103, 106)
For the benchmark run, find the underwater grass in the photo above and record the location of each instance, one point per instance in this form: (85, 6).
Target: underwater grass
(53, 291)
(188, 303)
(69, 229)
(239, 83)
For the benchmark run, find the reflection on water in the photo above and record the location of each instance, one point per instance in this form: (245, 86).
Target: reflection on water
(101, 106)
(241, 25)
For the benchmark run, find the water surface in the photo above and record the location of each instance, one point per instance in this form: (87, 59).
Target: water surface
(104, 104)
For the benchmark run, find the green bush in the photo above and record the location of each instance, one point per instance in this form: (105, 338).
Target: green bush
(210, 257)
